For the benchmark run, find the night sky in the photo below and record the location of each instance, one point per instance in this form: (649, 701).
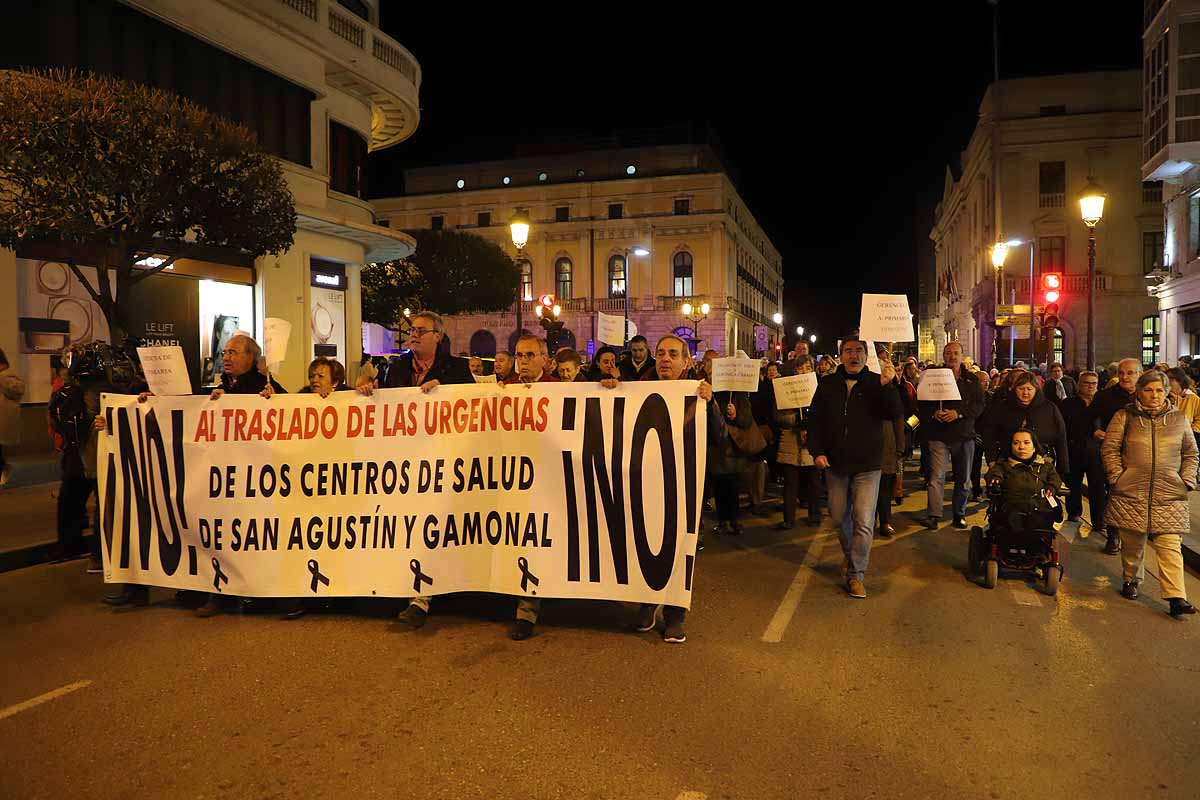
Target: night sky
(837, 122)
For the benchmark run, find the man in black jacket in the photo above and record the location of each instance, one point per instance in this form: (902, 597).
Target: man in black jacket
(428, 366)
(1108, 402)
(1080, 417)
(637, 365)
(844, 438)
(949, 433)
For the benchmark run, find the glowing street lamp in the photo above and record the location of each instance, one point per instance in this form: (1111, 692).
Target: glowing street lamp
(518, 226)
(1091, 209)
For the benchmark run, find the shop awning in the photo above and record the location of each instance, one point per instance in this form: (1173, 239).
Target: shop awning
(380, 244)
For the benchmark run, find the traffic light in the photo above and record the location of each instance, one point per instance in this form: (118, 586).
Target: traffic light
(1052, 283)
(548, 312)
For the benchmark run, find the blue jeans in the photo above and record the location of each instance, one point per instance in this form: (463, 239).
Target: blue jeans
(852, 501)
(958, 457)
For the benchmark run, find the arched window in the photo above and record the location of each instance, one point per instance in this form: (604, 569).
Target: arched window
(616, 276)
(562, 278)
(682, 264)
(526, 279)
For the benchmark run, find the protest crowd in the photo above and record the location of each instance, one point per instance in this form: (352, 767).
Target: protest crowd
(1125, 436)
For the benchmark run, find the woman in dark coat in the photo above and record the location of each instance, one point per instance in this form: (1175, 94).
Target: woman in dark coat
(1026, 407)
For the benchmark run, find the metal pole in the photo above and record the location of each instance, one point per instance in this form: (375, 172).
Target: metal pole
(520, 287)
(995, 314)
(1032, 338)
(626, 293)
(1012, 332)
(1091, 317)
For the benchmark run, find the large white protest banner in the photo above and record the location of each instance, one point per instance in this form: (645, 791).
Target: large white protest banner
(609, 328)
(886, 318)
(796, 391)
(165, 369)
(554, 490)
(938, 385)
(735, 374)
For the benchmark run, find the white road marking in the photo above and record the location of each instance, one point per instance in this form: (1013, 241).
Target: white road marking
(1024, 594)
(43, 698)
(787, 606)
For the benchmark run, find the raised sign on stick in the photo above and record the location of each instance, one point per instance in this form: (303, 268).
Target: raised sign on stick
(886, 318)
(796, 391)
(166, 370)
(735, 374)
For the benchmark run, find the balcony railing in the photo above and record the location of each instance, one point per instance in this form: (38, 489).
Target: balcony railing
(611, 304)
(1152, 192)
(1052, 200)
(344, 27)
(347, 27)
(1072, 284)
(306, 7)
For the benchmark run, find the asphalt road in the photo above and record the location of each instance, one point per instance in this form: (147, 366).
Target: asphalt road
(786, 688)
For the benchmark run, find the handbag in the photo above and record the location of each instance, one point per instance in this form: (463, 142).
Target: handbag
(747, 441)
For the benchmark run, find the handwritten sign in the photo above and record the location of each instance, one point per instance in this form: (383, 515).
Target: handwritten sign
(166, 370)
(886, 318)
(796, 391)
(938, 385)
(609, 328)
(873, 358)
(735, 374)
(276, 333)
(486, 379)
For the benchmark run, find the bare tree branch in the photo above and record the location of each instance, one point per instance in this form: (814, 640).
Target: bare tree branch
(82, 279)
(141, 275)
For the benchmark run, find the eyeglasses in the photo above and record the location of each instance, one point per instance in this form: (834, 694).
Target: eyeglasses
(527, 356)
(228, 353)
(417, 333)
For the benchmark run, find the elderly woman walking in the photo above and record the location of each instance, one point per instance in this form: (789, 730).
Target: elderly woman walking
(1150, 457)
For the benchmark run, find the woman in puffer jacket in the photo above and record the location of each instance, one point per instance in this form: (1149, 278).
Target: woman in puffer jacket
(1150, 457)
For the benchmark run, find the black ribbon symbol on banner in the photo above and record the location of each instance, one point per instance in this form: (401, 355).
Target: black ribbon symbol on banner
(218, 576)
(527, 577)
(418, 576)
(315, 569)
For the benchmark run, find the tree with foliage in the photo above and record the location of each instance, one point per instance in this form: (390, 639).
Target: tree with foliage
(450, 272)
(126, 171)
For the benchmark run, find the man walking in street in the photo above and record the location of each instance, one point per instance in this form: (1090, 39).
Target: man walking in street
(1059, 386)
(1084, 452)
(845, 418)
(1107, 403)
(949, 433)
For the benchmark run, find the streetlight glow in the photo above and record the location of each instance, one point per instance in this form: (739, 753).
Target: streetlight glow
(1091, 203)
(640, 251)
(686, 308)
(519, 225)
(799, 330)
(778, 318)
(813, 338)
(999, 252)
(705, 308)
(557, 309)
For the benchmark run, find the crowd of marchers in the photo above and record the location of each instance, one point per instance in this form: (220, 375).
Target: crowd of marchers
(1126, 436)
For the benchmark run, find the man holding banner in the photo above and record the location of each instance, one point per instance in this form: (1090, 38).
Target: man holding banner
(847, 412)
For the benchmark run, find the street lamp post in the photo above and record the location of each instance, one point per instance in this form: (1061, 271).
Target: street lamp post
(999, 252)
(518, 225)
(1091, 208)
(695, 316)
(638, 251)
(777, 318)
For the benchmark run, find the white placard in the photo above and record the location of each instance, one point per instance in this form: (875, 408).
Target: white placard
(608, 329)
(873, 358)
(796, 391)
(276, 332)
(166, 370)
(938, 385)
(486, 378)
(886, 318)
(735, 374)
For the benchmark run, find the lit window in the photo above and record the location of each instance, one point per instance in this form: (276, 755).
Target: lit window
(578, 173)
(461, 183)
(506, 180)
(1149, 340)
(526, 279)
(630, 170)
(616, 276)
(682, 268)
(543, 177)
(562, 278)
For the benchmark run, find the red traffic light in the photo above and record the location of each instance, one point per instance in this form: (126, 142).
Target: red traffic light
(1052, 281)
(1051, 296)
(778, 347)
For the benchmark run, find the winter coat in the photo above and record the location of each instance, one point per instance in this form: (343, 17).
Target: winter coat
(1081, 424)
(893, 446)
(1041, 416)
(1189, 404)
(1108, 402)
(1150, 459)
(445, 369)
(12, 389)
(792, 424)
(969, 409)
(251, 382)
(1021, 489)
(723, 456)
(845, 426)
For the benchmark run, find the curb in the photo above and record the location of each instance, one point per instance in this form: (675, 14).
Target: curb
(34, 554)
(1191, 553)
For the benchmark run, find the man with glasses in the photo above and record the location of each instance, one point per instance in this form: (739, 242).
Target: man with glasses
(426, 366)
(531, 362)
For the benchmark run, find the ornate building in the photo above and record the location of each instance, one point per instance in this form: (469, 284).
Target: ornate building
(1037, 142)
(589, 211)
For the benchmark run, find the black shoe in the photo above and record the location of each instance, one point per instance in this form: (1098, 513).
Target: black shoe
(735, 528)
(209, 609)
(646, 618)
(976, 495)
(932, 523)
(1129, 591)
(1180, 607)
(413, 616)
(960, 523)
(1113, 546)
(887, 531)
(783, 526)
(718, 529)
(130, 596)
(94, 567)
(293, 611)
(522, 629)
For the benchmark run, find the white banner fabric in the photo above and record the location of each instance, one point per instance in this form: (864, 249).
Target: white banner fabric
(550, 490)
